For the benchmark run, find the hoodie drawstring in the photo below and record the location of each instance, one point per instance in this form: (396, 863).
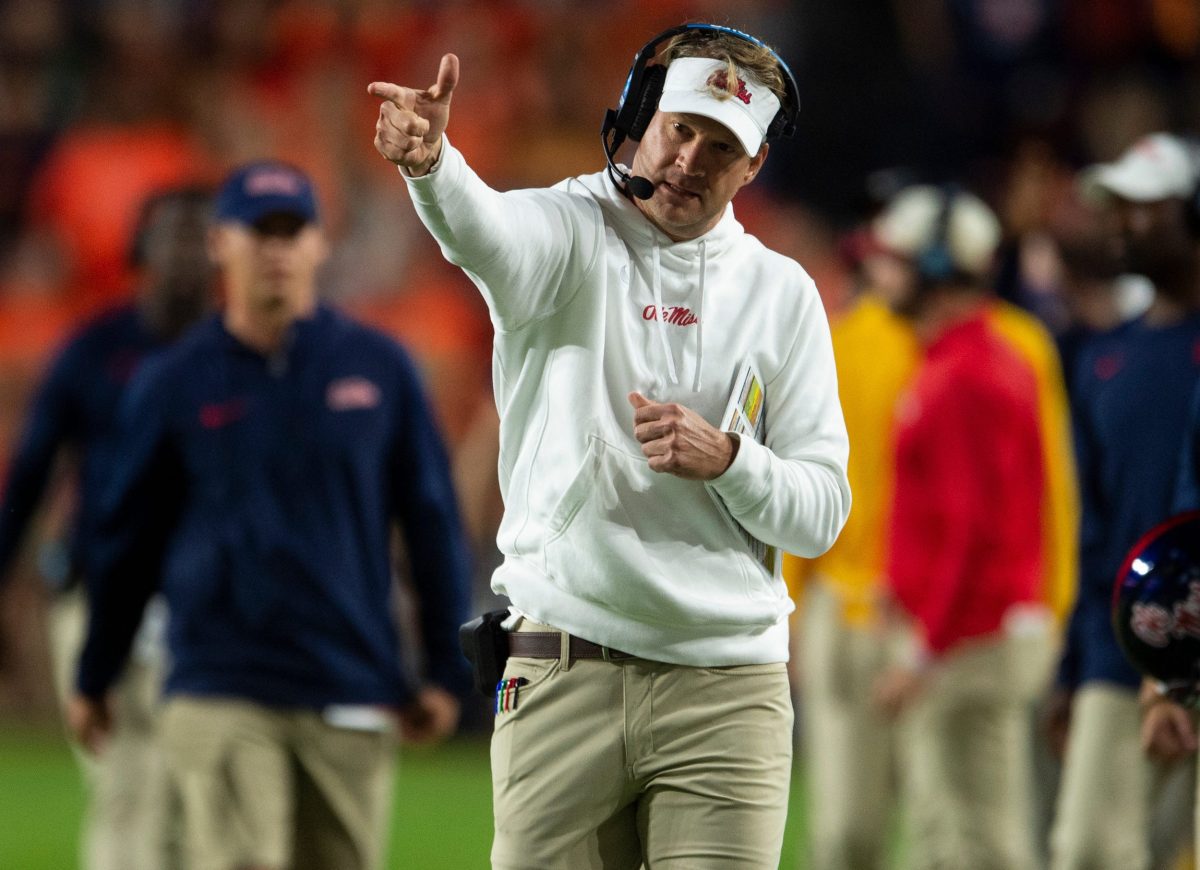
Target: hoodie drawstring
(660, 316)
(700, 318)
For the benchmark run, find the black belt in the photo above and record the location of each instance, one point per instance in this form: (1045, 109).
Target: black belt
(548, 645)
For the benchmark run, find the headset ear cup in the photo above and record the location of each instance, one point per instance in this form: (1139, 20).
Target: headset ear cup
(935, 263)
(652, 87)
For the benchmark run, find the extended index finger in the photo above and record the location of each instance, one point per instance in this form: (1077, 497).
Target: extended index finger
(400, 97)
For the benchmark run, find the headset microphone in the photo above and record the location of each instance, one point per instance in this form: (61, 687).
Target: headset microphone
(635, 185)
(638, 187)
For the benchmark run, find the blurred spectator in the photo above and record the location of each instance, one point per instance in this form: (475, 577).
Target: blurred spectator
(130, 137)
(74, 416)
(1130, 388)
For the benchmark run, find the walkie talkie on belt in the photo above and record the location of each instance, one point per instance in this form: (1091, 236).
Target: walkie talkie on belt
(485, 644)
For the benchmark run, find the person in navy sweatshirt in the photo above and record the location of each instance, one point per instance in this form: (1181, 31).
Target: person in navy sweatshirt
(266, 458)
(1131, 389)
(73, 417)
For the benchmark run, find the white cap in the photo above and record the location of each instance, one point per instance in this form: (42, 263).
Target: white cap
(909, 225)
(1156, 167)
(697, 86)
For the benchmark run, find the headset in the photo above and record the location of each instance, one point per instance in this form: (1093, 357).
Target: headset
(643, 88)
(935, 261)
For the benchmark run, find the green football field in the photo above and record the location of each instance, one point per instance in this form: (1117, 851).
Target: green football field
(442, 819)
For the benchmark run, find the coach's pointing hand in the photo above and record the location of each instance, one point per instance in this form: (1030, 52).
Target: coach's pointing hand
(411, 122)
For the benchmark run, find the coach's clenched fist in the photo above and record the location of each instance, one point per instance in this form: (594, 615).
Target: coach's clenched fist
(676, 440)
(411, 122)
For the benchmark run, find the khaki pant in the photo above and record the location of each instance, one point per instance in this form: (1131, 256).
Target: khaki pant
(967, 756)
(129, 819)
(849, 747)
(1106, 804)
(282, 789)
(619, 764)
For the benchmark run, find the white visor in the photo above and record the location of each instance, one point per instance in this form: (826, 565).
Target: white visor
(696, 86)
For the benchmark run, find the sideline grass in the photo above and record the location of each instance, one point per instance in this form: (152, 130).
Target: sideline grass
(442, 821)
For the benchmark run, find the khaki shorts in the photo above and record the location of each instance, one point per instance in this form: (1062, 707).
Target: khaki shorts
(277, 788)
(612, 764)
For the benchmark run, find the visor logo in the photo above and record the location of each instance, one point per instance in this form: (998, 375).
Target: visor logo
(720, 81)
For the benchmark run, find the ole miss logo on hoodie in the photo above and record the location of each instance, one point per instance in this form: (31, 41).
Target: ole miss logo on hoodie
(673, 315)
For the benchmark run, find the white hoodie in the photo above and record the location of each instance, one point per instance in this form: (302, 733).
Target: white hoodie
(594, 542)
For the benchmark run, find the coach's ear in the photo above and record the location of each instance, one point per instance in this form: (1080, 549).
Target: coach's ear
(756, 163)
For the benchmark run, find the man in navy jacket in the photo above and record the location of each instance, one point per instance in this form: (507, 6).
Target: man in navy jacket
(1130, 389)
(267, 456)
(74, 416)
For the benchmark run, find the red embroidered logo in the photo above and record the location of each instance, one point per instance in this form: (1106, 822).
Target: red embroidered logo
(122, 364)
(273, 182)
(351, 394)
(1106, 367)
(675, 315)
(216, 415)
(720, 81)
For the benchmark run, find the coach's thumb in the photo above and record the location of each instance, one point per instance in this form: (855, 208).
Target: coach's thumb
(447, 79)
(638, 400)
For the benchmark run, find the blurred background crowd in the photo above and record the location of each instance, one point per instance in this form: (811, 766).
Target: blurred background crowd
(104, 102)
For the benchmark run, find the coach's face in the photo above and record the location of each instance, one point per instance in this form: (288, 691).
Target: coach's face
(696, 166)
(272, 265)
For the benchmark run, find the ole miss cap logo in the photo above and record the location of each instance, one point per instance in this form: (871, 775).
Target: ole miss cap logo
(266, 187)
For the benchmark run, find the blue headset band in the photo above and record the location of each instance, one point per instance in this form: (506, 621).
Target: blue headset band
(791, 90)
(935, 261)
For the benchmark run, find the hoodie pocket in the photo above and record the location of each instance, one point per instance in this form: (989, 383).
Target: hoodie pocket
(652, 546)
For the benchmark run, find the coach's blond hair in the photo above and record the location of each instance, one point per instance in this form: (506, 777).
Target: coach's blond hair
(735, 52)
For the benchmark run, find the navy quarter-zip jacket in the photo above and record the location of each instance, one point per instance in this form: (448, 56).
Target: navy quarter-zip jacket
(263, 491)
(75, 409)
